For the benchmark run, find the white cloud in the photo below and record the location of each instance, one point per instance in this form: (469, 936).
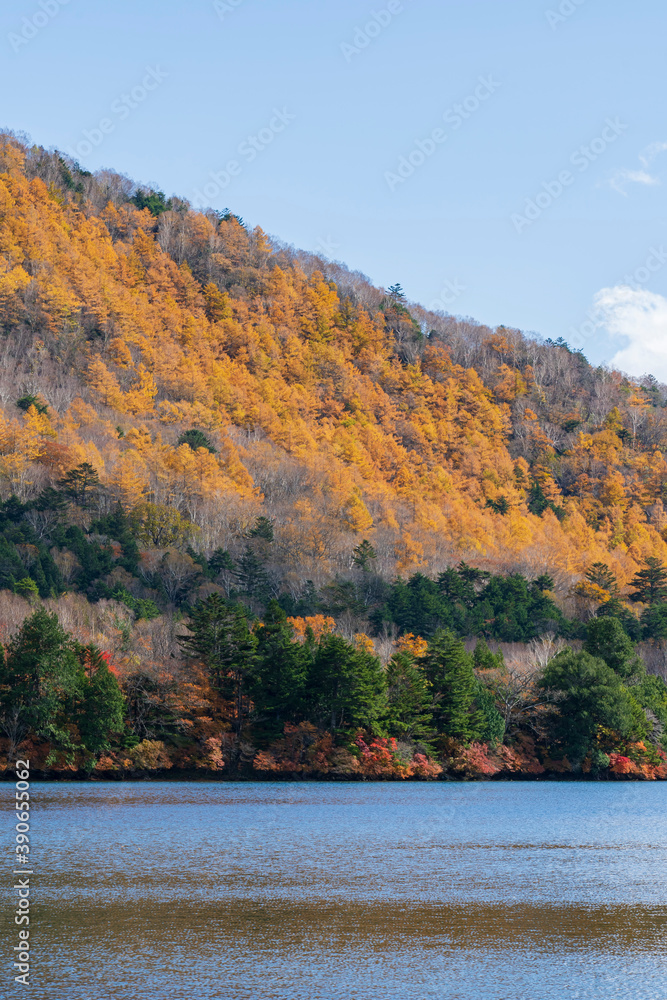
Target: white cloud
(620, 178)
(648, 155)
(641, 317)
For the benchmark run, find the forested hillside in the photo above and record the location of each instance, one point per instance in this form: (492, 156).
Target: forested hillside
(193, 412)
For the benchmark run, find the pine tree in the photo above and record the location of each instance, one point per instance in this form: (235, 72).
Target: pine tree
(500, 505)
(50, 499)
(221, 638)
(606, 639)
(219, 561)
(101, 710)
(409, 698)
(449, 670)
(363, 555)
(252, 576)
(263, 529)
(600, 574)
(484, 659)
(346, 686)
(536, 501)
(40, 678)
(25, 402)
(81, 485)
(279, 675)
(196, 439)
(650, 583)
(589, 694)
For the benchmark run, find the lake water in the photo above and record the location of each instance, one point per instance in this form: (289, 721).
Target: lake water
(480, 891)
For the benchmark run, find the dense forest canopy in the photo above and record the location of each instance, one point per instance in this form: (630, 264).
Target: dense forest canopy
(192, 411)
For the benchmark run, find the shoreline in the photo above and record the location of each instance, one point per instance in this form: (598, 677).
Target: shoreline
(199, 777)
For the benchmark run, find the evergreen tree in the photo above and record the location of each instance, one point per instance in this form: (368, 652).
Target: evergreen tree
(363, 555)
(101, 709)
(50, 499)
(27, 588)
(12, 509)
(95, 560)
(615, 608)
(40, 679)
(81, 485)
(650, 583)
(500, 505)
(651, 694)
(654, 622)
(600, 574)
(346, 687)
(408, 698)
(154, 201)
(306, 604)
(492, 724)
(589, 695)
(252, 576)
(196, 439)
(606, 639)
(449, 670)
(118, 525)
(279, 675)
(221, 638)
(484, 659)
(25, 402)
(219, 561)
(263, 529)
(536, 501)
(471, 574)
(492, 727)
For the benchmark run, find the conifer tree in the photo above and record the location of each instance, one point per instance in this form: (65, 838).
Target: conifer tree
(484, 659)
(449, 670)
(600, 574)
(39, 680)
(263, 529)
(346, 686)
(81, 485)
(101, 709)
(252, 575)
(409, 699)
(607, 639)
(589, 694)
(277, 684)
(221, 638)
(650, 583)
(363, 555)
(196, 439)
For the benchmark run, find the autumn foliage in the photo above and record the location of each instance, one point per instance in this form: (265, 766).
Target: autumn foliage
(191, 409)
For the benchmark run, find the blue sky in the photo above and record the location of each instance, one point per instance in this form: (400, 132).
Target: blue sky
(298, 114)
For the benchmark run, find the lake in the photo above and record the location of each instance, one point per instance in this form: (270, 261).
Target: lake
(463, 891)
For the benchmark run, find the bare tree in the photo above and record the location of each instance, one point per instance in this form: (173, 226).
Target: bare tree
(515, 687)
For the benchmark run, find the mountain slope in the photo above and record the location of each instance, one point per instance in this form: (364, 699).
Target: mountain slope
(336, 410)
